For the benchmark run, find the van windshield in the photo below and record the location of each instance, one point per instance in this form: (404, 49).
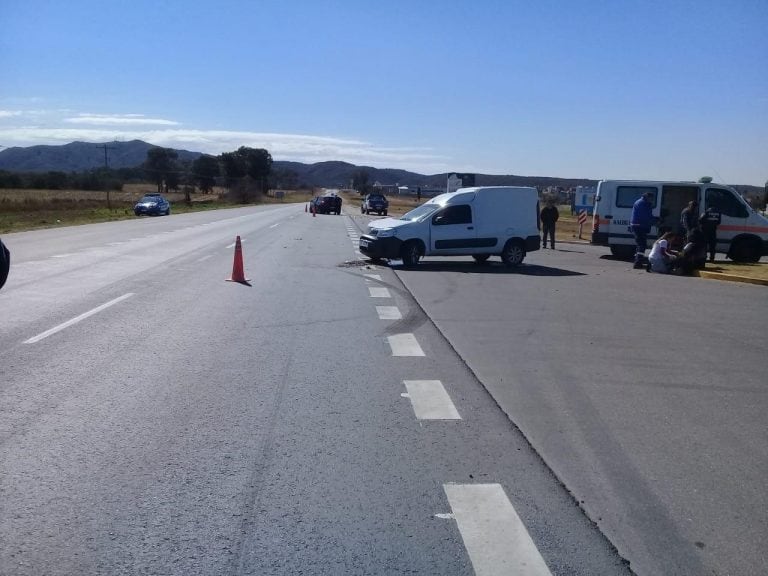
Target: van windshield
(420, 213)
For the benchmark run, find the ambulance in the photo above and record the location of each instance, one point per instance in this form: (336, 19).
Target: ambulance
(742, 234)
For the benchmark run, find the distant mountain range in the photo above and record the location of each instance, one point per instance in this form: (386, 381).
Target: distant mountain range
(83, 156)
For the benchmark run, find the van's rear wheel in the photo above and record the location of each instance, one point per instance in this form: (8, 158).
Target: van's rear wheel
(411, 253)
(481, 258)
(513, 253)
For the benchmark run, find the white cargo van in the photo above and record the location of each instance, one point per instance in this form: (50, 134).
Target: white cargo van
(742, 234)
(481, 222)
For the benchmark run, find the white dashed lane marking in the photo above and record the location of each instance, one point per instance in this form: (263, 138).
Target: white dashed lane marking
(77, 319)
(430, 401)
(388, 312)
(378, 292)
(373, 277)
(495, 537)
(404, 345)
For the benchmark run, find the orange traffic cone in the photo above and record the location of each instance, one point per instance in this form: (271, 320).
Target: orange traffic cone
(238, 275)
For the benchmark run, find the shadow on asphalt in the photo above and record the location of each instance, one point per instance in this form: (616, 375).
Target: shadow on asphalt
(613, 258)
(487, 268)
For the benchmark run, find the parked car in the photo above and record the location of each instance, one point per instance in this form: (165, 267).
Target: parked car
(375, 203)
(5, 263)
(328, 204)
(152, 205)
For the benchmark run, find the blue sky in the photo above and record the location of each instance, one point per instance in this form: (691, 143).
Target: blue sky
(577, 89)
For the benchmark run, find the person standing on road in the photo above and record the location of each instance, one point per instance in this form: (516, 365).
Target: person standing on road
(709, 221)
(689, 218)
(549, 216)
(640, 224)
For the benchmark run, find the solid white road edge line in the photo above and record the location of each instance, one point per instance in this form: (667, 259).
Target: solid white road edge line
(77, 319)
(404, 345)
(388, 312)
(430, 401)
(495, 537)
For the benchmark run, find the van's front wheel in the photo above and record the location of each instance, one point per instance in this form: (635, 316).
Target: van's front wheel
(513, 253)
(411, 253)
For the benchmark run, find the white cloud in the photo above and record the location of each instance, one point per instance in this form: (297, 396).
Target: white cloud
(9, 113)
(118, 120)
(294, 147)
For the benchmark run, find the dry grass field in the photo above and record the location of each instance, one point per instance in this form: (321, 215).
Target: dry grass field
(33, 209)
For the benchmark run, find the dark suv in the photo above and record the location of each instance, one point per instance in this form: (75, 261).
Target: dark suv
(328, 204)
(375, 203)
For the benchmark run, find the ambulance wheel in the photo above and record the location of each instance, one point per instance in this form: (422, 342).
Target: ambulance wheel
(623, 251)
(411, 253)
(746, 250)
(513, 253)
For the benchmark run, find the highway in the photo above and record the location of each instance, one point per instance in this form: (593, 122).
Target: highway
(339, 417)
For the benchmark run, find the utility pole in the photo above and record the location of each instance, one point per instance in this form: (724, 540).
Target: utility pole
(106, 167)
(106, 158)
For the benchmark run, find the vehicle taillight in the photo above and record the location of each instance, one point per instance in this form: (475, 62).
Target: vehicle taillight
(595, 223)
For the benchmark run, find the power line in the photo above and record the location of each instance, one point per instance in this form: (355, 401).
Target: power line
(106, 160)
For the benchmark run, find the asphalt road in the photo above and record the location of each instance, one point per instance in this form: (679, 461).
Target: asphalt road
(157, 419)
(646, 394)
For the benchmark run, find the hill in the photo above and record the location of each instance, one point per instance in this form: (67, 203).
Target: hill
(79, 156)
(84, 156)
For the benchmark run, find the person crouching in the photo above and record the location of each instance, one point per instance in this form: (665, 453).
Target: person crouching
(662, 256)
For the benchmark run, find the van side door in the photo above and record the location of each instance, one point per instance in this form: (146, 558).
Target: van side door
(452, 230)
(675, 198)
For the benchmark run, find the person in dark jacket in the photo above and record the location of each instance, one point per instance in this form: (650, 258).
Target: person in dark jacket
(689, 218)
(640, 224)
(549, 216)
(693, 256)
(709, 221)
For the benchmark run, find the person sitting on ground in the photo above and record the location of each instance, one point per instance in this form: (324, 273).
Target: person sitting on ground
(661, 256)
(693, 256)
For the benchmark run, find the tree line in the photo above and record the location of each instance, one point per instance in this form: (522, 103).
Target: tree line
(246, 173)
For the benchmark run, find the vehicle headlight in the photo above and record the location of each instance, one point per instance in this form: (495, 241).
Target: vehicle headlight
(386, 233)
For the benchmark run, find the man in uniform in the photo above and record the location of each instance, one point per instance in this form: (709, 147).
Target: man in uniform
(689, 218)
(709, 222)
